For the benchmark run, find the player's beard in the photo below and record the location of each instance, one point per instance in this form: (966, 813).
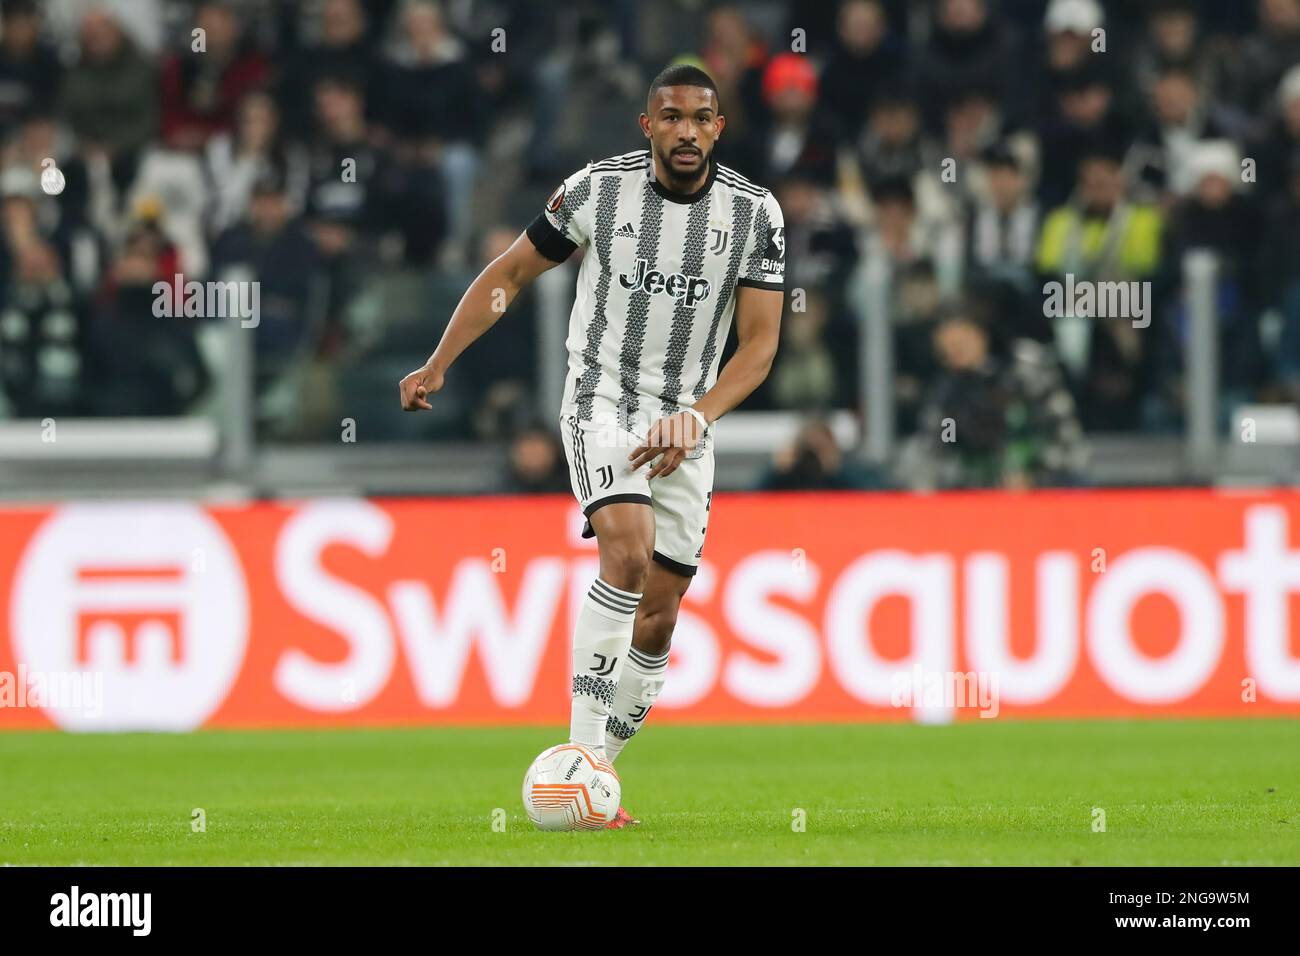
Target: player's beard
(680, 181)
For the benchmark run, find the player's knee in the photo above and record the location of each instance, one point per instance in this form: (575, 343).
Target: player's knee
(624, 565)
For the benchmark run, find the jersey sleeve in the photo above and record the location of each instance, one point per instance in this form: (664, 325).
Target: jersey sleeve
(764, 265)
(565, 222)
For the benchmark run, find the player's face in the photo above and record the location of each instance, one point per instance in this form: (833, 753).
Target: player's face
(682, 125)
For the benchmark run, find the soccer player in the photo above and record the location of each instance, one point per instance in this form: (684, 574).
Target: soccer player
(676, 245)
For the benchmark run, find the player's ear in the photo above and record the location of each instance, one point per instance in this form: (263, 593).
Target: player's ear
(722, 124)
(645, 125)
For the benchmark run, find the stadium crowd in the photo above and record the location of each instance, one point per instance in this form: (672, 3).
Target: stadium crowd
(361, 159)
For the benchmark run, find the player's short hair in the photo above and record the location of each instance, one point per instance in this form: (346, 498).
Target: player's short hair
(683, 74)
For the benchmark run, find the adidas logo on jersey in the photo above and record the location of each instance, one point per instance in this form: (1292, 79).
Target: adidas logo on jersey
(626, 231)
(690, 291)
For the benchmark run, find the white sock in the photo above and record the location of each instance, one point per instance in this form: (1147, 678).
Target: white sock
(600, 644)
(638, 686)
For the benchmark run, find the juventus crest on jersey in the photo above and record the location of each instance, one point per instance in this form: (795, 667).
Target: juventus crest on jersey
(656, 291)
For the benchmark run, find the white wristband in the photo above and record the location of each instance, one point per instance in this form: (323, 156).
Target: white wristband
(704, 425)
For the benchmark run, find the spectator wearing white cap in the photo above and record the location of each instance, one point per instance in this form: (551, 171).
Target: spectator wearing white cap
(1179, 117)
(1068, 29)
(1217, 215)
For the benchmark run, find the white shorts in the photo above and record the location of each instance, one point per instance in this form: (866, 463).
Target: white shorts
(601, 475)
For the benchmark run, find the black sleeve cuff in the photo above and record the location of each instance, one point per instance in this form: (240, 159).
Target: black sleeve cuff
(548, 240)
(760, 284)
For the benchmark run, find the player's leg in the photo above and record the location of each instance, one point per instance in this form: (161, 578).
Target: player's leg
(616, 502)
(681, 505)
(643, 672)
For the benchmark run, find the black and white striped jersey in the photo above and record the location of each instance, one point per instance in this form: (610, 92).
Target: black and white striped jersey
(656, 290)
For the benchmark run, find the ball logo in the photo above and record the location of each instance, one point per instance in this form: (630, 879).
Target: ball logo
(52, 180)
(151, 596)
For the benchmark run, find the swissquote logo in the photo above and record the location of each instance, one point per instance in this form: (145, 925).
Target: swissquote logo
(151, 596)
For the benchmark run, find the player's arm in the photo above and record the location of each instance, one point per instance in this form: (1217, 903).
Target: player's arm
(758, 330)
(487, 297)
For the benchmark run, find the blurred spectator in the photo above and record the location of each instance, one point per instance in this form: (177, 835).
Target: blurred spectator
(1100, 237)
(1180, 118)
(1174, 37)
(1280, 137)
(344, 51)
(969, 49)
(989, 422)
(1267, 54)
(866, 56)
(803, 375)
(918, 303)
(900, 236)
(45, 364)
(972, 124)
(503, 380)
(253, 149)
(1069, 27)
(894, 146)
(1279, 280)
(794, 136)
(61, 220)
(201, 89)
(1218, 217)
(425, 92)
(537, 464)
(1000, 229)
(820, 246)
(273, 248)
(735, 57)
(814, 462)
(348, 175)
(111, 95)
(1002, 226)
(1088, 120)
(30, 71)
(148, 365)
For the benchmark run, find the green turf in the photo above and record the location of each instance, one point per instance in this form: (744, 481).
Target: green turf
(984, 792)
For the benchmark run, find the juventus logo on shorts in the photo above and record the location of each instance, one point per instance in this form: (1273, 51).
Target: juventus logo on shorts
(719, 244)
(606, 474)
(603, 669)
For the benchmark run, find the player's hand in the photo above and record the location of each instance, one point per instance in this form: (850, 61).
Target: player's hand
(417, 386)
(668, 439)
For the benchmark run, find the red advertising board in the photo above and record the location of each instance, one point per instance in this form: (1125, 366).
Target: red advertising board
(834, 607)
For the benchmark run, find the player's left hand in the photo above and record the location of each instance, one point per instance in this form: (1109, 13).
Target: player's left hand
(669, 440)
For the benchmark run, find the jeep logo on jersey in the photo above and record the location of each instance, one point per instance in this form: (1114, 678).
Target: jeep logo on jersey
(690, 291)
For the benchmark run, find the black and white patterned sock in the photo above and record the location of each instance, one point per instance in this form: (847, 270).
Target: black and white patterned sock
(639, 684)
(600, 646)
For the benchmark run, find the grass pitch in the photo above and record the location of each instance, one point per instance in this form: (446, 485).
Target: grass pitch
(984, 792)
